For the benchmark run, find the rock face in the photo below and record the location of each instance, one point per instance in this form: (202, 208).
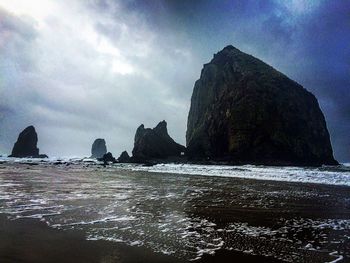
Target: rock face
(108, 158)
(245, 111)
(98, 148)
(26, 145)
(155, 143)
(124, 157)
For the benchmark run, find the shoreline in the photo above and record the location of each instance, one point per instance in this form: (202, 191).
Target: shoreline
(175, 160)
(265, 171)
(53, 210)
(30, 240)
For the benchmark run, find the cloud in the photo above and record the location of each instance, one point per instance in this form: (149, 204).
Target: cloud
(79, 70)
(88, 74)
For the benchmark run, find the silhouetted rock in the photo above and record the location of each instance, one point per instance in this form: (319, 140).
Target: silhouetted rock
(124, 157)
(245, 111)
(26, 144)
(155, 143)
(98, 148)
(107, 158)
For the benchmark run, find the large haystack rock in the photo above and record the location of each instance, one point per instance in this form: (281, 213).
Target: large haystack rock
(245, 111)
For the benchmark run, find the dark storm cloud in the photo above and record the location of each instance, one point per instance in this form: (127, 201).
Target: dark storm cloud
(111, 65)
(323, 43)
(307, 40)
(16, 36)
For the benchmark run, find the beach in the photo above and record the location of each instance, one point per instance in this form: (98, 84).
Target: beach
(89, 213)
(27, 240)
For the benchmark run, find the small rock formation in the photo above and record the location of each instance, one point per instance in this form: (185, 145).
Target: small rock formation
(155, 143)
(26, 144)
(245, 111)
(98, 148)
(124, 157)
(108, 158)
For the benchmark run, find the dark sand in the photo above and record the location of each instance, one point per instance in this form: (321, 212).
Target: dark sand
(266, 205)
(29, 240)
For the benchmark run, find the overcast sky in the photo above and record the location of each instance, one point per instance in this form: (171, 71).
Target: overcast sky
(84, 69)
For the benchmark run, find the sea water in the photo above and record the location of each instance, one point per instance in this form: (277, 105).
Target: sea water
(293, 214)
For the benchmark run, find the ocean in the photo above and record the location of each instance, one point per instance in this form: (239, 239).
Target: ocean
(292, 214)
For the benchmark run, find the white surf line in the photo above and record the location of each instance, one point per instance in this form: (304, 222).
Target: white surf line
(284, 174)
(335, 253)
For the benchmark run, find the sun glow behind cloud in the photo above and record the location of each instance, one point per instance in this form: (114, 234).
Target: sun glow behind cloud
(36, 9)
(87, 74)
(69, 20)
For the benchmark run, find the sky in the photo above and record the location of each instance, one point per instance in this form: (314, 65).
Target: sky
(84, 69)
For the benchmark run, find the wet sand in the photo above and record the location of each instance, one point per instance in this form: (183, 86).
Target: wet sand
(48, 213)
(29, 241)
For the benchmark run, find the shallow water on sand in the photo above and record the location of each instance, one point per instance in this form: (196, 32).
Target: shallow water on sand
(186, 215)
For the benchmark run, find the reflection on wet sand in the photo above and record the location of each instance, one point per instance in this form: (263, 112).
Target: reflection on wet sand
(185, 216)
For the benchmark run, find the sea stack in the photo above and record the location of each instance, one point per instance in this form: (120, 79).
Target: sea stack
(244, 111)
(124, 157)
(108, 158)
(98, 148)
(26, 144)
(155, 143)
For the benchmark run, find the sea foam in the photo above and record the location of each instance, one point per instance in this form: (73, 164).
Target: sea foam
(331, 175)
